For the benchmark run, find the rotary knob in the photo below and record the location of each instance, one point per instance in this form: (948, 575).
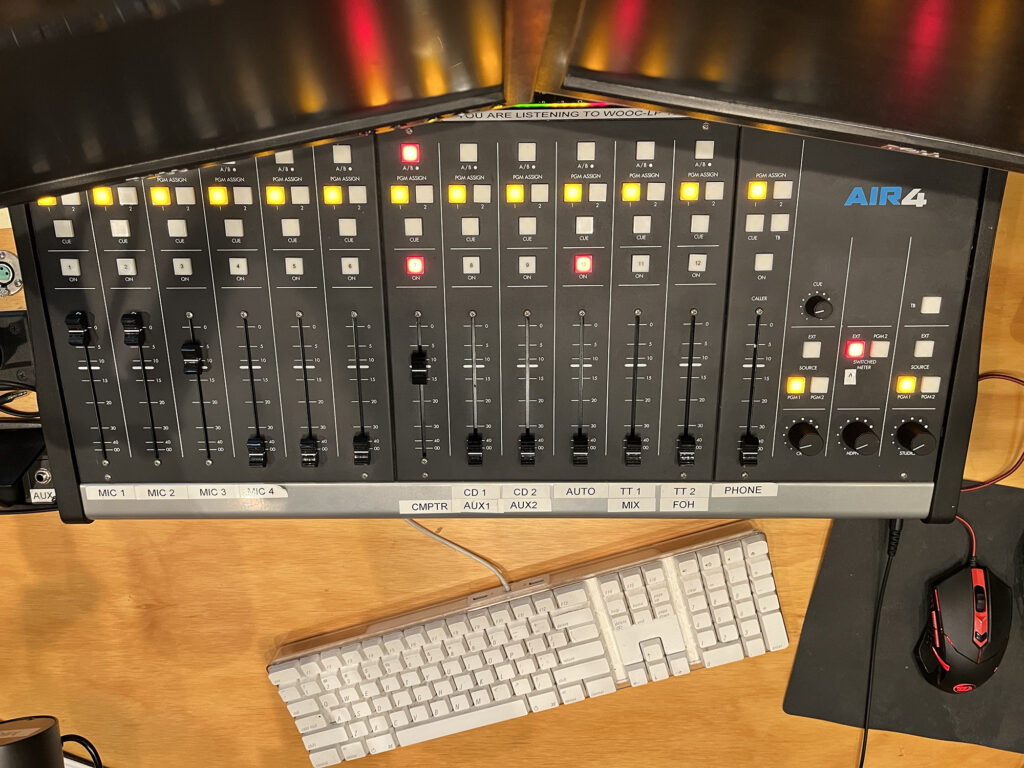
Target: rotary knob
(805, 438)
(818, 307)
(916, 438)
(860, 438)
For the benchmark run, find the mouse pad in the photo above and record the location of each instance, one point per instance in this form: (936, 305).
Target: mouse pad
(829, 677)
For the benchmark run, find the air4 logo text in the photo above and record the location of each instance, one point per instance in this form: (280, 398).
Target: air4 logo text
(887, 196)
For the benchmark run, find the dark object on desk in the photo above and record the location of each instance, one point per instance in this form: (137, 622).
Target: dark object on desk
(833, 653)
(970, 615)
(35, 742)
(20, 446)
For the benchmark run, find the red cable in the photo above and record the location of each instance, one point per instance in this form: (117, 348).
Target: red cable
(970, 530)
(1020, 459)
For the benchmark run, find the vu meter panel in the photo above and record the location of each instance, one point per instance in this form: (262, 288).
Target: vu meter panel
(548, 312)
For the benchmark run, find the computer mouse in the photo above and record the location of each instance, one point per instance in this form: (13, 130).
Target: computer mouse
(967, 629)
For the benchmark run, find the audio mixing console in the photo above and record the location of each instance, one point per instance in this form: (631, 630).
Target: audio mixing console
(537, 312)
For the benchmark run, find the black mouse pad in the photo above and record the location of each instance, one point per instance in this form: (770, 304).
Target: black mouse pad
(829, 677)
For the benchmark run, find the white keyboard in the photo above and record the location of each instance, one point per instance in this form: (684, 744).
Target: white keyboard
(553, 640)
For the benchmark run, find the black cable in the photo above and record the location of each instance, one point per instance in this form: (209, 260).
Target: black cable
(895, 530)
(86, 745)
(11, 384)
(26, 510)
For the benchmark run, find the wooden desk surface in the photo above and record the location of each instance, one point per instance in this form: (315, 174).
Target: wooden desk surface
(151, 637)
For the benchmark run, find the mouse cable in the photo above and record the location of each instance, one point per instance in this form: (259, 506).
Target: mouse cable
(448, 543)
(972, 560)
(895, 530)
(1020, 459)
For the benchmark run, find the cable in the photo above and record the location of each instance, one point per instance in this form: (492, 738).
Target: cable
(974, 542)
(1020, 459)
(895, 530)
(15, 390)
(86, 745)
(27, 511)
(486, 563)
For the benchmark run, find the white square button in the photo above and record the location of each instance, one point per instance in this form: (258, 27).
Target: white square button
(185, 195)
(699, 222)
(70, 268)
(350, 265)
(233, 228)
(527, 225)
(286, 157)
(527, 151)
(126, 267)
(931, 305)
(414, 227)
(293, 265)
(782, 190)
(177, 228)
(585, 150)
(238, 265)
(63, 228)
(878, 349)
(243, 195)
(290, 228)
(656, 191)
(348, 227)
(780, 222)
(714, 190)
(812, 350)
(850, 376)
(182, 266)
(924, 348)
(467, 153)
(704, 150)
(424, 193)
(342, 153)
(641, 262)
(755, 222)
(471, 265)
(584, 225)
(539, 193)
(645, 150)
(763, 262)
(819, 385)
(357, 195)
(930, 384)
(470, 227)
(71, 198)
(698, 262)
(527, 265)
(120, 228)
(127, 195)
(641, 225)
(481, 193)
(300, 195)
(597, 193)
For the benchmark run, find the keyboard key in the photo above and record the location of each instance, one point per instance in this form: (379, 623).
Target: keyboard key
(637, 674)
(326, 738)
(600, 686)
(574, 653)
(311, 723)
(325, 758)
(570, 694)
(303, 707)
(353, 751)
(474, 718)
(571, 594)
(383, 743)
(543, 700)
(774, 631)
(285, 674)
(723, 654)
(572, 618)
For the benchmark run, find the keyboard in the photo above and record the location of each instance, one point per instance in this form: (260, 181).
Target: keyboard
(636, 618)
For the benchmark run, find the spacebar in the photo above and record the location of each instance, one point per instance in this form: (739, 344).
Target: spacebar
(473, 718)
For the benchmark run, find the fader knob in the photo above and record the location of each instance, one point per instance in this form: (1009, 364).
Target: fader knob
(818, 307)
(805, 439)
(860, 438)
(916, 438)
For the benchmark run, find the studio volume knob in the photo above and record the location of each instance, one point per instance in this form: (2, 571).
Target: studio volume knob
(805, 438)
(915, 437)
(818, 307)
(860, 438)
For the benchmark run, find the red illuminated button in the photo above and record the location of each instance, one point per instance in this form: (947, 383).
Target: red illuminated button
(583, 264)
(415, 265)
(855, 349)
(410, 153)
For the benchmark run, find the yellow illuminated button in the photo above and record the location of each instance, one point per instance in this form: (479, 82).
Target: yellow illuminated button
(399, 194)
(631, 192)
(514, 193)
(689, 190)
(276, 196)
(795, 385)
(457, 193)
(160, 195)
(218, 195)
(573, 193)
(906, 385)
(48, 200)
(102, 196)
(332, 195)
(757, 190)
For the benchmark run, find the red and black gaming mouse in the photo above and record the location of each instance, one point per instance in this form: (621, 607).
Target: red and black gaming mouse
(967, 629)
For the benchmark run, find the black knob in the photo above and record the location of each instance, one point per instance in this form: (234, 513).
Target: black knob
(805, 439)
(632, 450)
(192, 358)
(750, 447)
(580, 448)
(475, 449)
(309, 451)
(819, 307)
(134, 332)
(686, 450)
(418, 367)
(916, 438)
(860, 438)
(527, 449)
(361, 449)
(256, 447)
(78, 329)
